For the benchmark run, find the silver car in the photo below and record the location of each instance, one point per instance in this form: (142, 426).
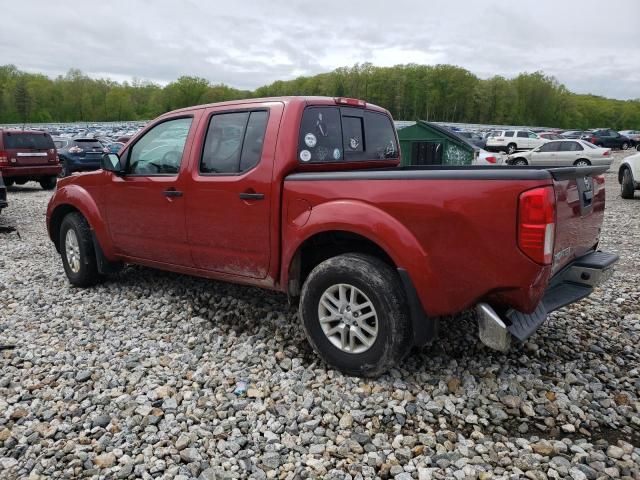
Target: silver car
(563, 153)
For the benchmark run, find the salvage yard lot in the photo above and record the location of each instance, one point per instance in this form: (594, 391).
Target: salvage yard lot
(136, 378)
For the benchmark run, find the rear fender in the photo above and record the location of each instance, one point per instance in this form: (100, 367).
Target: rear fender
(78, 198)
(367, 221)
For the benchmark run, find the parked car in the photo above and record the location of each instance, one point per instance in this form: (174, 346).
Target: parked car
(474, 138)
(61, 142)
(277, 193)
(572, 134)
(550, 136)
(483, 157)
(629, 175)
(28, 156)
(606, 137)
(81, 155)
(510, 141)
(633, 135)
(3, 195)
(563, 153)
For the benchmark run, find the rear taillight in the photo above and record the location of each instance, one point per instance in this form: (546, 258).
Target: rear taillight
(4, 158)
(606, 153)
(491, 159)
(536, 224)
(354, 102)
(75, 150)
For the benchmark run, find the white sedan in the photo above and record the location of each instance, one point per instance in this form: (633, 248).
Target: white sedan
(563, 153)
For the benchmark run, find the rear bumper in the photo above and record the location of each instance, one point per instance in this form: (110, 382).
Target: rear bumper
(31, 171)
(573, 283)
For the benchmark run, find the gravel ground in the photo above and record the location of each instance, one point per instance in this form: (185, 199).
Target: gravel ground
(135, 379)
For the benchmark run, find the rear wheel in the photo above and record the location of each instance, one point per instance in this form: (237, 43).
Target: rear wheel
(354, 312)
(626, 185)
(65, 169)
(8, 182)
(77, 251)
(582, 163)
(48, 183)
(520, 162)
(511, 148)
(625, 146)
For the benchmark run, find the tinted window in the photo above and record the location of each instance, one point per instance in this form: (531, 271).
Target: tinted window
(234, 142)
(331, 134)
(159, 151)
(253, 140)
(508, 133)
(33, 141)
(522, 134)
(570, 147)
(550, 147)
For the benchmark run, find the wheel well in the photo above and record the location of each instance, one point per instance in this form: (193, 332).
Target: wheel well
(318, 248)
(56, 220)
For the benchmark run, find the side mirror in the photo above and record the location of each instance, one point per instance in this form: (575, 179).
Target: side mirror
(111, 163)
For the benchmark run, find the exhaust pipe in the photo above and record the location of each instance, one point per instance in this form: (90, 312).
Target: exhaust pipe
(491, 329)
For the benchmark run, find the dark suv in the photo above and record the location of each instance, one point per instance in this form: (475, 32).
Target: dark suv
(81, 155)
(26, 156)
(607, 138)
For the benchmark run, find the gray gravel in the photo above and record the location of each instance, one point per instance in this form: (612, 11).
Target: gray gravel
(135, 379)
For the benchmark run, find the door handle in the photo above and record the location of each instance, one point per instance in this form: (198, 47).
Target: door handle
(172, 193)
(251, 196)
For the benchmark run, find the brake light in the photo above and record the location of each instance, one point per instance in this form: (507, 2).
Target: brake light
(354, 102)
(75, 149)
(536, 224)
(606, 153)
(4, 158)
(491, 159)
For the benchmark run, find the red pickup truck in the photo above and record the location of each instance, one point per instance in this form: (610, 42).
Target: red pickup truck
(304, 195)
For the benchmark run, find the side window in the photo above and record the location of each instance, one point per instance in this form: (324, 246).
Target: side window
(522, 134)
(508, 133)
(550, 147)
(574, 147)
(159, 151)
(234, 142)
(532, 135)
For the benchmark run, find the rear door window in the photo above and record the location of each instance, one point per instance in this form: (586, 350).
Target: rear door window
(234, 142)
(508, 133)
(333, 134)
(522, 134)
(27, 141)
(550, 147)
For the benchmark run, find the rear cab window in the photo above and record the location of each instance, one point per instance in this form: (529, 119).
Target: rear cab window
(343, 134)
(27, 141)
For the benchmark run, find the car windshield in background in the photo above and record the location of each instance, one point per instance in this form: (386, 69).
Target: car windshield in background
(32, 141)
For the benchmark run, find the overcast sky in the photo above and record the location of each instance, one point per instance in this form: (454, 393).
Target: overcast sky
(590, 46)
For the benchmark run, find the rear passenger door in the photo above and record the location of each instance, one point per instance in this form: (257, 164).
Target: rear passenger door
(230, 202)
(523, 139)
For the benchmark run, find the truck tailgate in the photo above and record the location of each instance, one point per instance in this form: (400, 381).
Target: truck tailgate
(580, 200)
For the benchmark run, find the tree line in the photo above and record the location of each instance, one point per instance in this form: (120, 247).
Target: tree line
(444, 93)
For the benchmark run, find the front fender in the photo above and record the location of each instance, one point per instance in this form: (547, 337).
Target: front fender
(368, 221)
(76, 197)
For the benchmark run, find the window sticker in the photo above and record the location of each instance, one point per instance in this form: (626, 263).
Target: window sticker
(305, 155)
(336, 154)
(354, 143)
(322, 153)
(310, 140)
(322, 128)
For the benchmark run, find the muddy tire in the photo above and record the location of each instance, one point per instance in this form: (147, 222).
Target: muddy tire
(627, 187)
(77, 251)
(48, 183)
(355, 315)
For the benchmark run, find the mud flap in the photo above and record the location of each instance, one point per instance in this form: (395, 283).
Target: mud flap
(423, 327)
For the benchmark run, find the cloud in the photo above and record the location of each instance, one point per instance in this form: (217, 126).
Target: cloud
(252, 43)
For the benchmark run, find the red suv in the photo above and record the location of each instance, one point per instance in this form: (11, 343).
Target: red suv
(26, 156)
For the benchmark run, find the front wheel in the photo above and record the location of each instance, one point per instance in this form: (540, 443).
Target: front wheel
(77, 251)
(626, 186)
(354, 312)
(511, 148)
(625, 146)
(48, 183)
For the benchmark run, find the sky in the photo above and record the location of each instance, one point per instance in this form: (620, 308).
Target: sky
(590, 46)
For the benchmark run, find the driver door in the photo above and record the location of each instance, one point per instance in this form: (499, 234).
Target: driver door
(146, 205)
